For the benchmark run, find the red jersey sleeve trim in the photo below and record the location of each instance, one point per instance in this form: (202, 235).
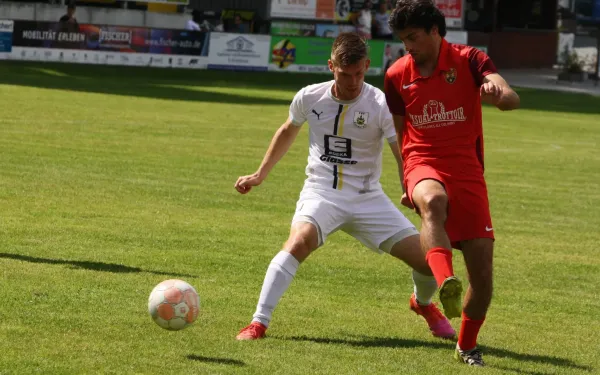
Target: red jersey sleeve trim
(481, 65)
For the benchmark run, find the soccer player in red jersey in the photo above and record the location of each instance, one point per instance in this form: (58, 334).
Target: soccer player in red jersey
(435, 94)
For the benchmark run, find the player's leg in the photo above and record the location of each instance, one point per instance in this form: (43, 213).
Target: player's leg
(303, 239)
(478, 255)
(379, 225)
(431, 200)
(409, 251)
(470, 224)
(315, 218)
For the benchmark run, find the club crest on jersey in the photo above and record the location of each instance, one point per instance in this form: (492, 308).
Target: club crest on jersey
(451, 76)
(361, 119)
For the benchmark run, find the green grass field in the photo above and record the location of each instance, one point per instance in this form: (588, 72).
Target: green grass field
(114, 179)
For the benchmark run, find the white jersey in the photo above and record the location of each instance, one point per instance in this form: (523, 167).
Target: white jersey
(346, 137)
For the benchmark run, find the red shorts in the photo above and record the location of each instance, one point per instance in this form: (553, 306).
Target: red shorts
(468, 206)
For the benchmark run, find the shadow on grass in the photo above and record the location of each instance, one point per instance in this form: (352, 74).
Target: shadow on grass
(510, 370)
(92, 266)
(393, 342)
(221, 361)
(375, 342)
(184, 84)
(537, 358)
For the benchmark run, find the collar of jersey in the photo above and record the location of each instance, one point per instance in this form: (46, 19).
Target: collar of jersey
(443, 64)
(330, 94)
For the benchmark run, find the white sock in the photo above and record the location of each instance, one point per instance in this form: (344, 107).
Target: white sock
(279, 276)
(425, 287)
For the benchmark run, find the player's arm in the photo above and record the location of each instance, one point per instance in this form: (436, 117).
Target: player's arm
(397, 108)
(282, 140)
(397, 146)
(397, 151)
(496, 91)
(493, 88)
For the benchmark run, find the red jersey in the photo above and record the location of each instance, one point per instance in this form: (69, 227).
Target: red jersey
(442, 113)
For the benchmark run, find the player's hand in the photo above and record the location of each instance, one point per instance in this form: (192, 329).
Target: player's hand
(491, 92)
(406, 202)
(245, 183)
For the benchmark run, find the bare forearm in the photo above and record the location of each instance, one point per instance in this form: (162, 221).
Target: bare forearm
(508, 101)
(397, 147)
(400, 162)
(401, 174)
(497, 92)
(280, 144)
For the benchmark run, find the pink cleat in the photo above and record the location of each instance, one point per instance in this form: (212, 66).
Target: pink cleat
(254, 331)
(438, 323)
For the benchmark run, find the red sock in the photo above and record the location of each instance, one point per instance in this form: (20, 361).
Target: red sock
(440, 262)
(469, 329)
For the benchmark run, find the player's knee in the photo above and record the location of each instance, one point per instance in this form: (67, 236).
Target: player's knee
(483, 286)
(300, 247)
(434, 206)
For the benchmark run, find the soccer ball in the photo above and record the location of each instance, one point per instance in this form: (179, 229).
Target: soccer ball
(174, 304)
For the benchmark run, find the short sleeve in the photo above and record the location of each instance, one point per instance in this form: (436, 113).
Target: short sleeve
(297, 110)
(387, 124)
(481, 65)
(393, 97)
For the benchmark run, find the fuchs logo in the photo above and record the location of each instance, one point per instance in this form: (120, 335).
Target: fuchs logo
(451, 76)
(434, 112)
(361, 119)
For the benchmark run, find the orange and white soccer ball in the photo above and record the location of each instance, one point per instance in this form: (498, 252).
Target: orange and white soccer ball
(174, 304)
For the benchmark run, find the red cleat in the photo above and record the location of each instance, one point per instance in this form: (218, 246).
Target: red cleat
(437, 322)
(254, 331)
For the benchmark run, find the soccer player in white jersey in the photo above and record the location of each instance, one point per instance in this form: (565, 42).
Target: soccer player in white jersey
(349, 123)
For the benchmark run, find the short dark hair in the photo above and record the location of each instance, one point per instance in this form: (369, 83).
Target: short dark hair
(421, 14)
(71, 6)
(348, 49)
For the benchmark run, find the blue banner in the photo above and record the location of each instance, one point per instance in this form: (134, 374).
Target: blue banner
(110, 38)
(6, 34)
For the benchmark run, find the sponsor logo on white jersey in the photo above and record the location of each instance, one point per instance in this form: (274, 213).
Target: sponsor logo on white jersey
(361, 119)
